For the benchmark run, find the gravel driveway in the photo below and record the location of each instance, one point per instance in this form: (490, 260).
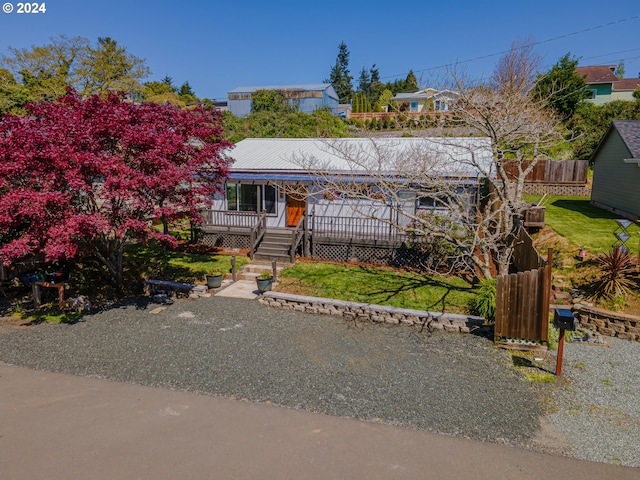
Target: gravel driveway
(443, 382)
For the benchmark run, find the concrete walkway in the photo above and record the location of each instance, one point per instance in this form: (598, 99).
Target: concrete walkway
(58, 426)
(239, 289)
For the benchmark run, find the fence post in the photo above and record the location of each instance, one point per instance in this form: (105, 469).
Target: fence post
(313, 233)
(233, 268)
(305, 246)
(546, 295)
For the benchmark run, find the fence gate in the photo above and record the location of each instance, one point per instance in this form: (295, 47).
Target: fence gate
(522, 305)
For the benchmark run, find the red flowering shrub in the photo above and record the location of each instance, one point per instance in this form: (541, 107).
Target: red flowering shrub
(86, 176)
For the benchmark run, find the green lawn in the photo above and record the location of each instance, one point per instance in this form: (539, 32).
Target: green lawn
(156, 262)
(380, 286)
(583, 224)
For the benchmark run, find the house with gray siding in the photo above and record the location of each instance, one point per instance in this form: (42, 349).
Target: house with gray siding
(306, 98)
(330, 190)
(616, 171)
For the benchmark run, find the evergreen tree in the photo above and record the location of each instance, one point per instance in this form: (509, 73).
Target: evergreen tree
(185, 89)
(340, 76)
(187, 95)
(361, 103)
(364, 82)
(561, 87)
(408, 85)
(167, 80)
(375, 85)
(374, 74)
(411, 82)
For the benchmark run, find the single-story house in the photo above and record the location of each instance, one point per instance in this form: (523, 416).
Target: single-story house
(616, 170)
(426, 100)
(286, 185)
(307, 98)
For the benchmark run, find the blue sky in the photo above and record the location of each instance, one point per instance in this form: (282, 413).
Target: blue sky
(218, 46)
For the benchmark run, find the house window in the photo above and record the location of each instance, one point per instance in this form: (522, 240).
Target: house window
(413, 107)
(440, 106)
(430, 202)
(250, 198)
(590, 94)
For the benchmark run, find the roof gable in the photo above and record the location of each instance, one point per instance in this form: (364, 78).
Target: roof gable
(598, 74)
(629, 130)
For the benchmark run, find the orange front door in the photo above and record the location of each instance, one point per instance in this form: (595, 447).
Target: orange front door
(296, 204)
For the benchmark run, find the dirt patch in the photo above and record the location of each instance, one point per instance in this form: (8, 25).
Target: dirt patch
(10, 324)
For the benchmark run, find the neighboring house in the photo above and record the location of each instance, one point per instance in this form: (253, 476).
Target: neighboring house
(307, 98)
(616, 170)
(275, 182)
(344, 110)
(426, 100)
(623, 89)
(603, 86)
(220, 105)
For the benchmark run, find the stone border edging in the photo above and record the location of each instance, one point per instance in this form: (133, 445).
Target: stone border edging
(373, 313)
(609, 323)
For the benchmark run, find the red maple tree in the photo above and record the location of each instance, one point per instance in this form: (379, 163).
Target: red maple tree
(87, 176)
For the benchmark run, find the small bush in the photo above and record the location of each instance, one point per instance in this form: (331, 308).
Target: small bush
(617, 272)
(484, 304)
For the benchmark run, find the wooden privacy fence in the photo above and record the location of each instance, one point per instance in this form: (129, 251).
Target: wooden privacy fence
(522, 305)
(552, 171)
(522, 301)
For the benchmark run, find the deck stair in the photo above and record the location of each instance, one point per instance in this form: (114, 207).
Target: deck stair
(276, 244)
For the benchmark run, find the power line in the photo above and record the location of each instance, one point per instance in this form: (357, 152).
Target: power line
(612, 53)
(608, 24)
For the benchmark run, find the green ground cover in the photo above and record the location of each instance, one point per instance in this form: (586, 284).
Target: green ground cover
(153, 261)
(382, 286)
(582, 224)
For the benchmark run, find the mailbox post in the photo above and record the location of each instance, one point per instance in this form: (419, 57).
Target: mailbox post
(564, 320)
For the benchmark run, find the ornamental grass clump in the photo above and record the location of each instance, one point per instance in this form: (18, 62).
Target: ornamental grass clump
(484, 304)
(617, 275)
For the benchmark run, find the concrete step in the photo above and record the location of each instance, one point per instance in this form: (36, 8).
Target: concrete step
(253, 271)
(261, 267)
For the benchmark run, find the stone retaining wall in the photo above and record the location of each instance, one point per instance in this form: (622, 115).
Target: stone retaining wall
(373, 313)
(610, 323)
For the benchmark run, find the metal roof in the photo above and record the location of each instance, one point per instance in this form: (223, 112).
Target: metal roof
(260, 178)
(452, 157)
(308, 87)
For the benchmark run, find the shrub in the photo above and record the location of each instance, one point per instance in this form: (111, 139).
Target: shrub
(484, 304)
(617, 272)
